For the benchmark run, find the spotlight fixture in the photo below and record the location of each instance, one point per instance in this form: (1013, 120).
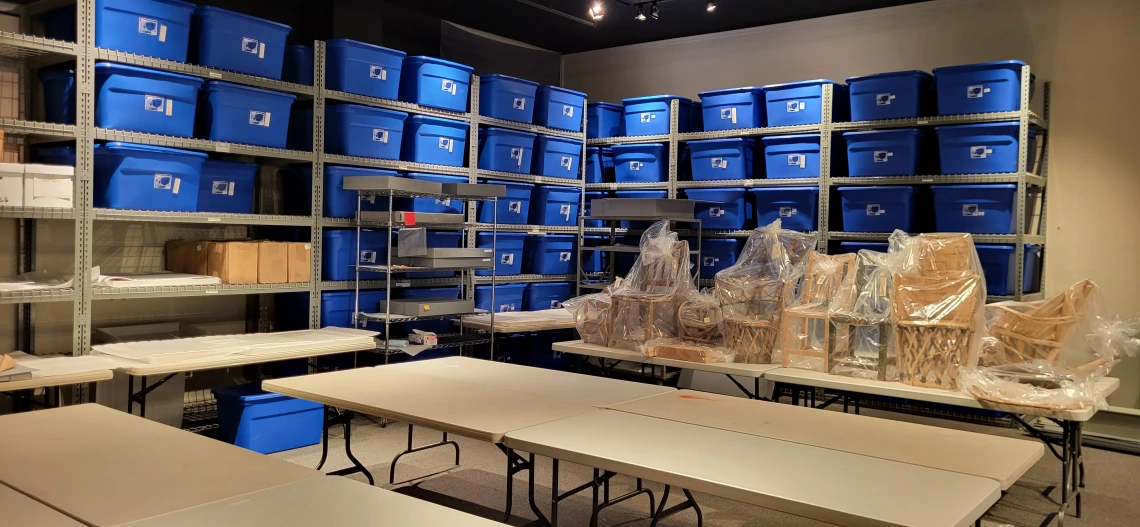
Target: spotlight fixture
(640, 14)
(654, 13)
(597, 11)
(710, 6)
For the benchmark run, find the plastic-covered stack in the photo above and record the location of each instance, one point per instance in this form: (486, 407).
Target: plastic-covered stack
(592, 315)
(861, 340)
(699, 321)
(805, 330)
(1050, 353)
(645, 304)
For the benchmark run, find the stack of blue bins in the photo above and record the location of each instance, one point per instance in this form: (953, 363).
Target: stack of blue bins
(232, 41)
(138, 99)
(721, 159)
(298, 65)
(795, 207)
(508, 252)
(435, 82)
(884, 152)
(507, 98)
(733, 108)
(594, 170)
(604, 119)
(555, 206)
(985, 148)
(977, 209)
(505, 150)
(266, 422)
(980, 88)
(559, 108)
(550, 254)
(362, 69)
(650, 115)
(338, 202)
(234, 113)
(557, 157)
(508, 297)
(145, 177)
(547, 295)
(512, 209)
(801, 103)
(433, 205)
(364, 131)
(155, 28)
(640, 163)
(1000, 268)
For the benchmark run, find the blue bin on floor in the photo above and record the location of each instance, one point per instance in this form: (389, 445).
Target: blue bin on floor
(363, 69)
(883, 152)
(729, 211)
(799, 103)
(894, 95)
(650, 115)
(555, 206)
(604, 119)
(433, 205)
(59, 95)
(877, 209)
(855, 247)
(557, 157)
(718, 254)
(795, 207)
(508, 297)
(435, 141)
(340, 256)
(593, 164)
(298, 66)
(590, 196)
(976, 209)
(435, 82)
(266, 422)
(145, 177)
(547, 295)
(437, 326)
(504, 150)
(559, 108)
(716, 159)
(144, 100)
(1000, 268)
(232, 41)
(594, 261)
(640, 163)
(791, 156)
(733, 108)
(638, 194)
(227, 186)
(155, 28)
(988, 148)
(508, 252)
(542, 354)
(550, 254)
(512, 209)
(980, 88)
(364, 131)
(341, 203)
(508, 98)
(234, 113)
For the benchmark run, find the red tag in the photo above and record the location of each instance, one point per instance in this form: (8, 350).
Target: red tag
(409, 219)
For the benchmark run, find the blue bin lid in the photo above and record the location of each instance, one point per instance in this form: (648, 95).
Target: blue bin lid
(1005, 186)
(422, 175)
(420, 59)
(349, 43)
(638, 146)
(799, 84)
(559, 188)
(606, 105)
(509, 184)
(980, 66)
(979, 126)
(512, 235)
(883, 133)
(560, 237)
(494, 130)
(779, 189)
(726, 141)
(108, 68)
(357, 171)
(559, 139)
(795, 138)
(905, 189)
(563, 90)
(908, 73)
(501, 286)
(501, 77)
(222, 85)
(118, 145)
(727, 91)
(248, 18)
(427, 119)
(990, 247)
(653, 98)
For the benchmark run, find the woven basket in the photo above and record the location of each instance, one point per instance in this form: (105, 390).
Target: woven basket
(751, 339)
(934, 322)
(932, 355)
(1038, 333)
(699, 321)
(942, 254)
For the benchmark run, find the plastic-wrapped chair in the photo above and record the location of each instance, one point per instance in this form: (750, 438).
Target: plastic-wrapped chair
(805, 328)
(935, 319)
(645, 306)
(861, 341)
(699, 318)
(1023, 332)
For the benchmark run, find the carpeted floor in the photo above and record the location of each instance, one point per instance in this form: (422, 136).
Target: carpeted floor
(477, 486)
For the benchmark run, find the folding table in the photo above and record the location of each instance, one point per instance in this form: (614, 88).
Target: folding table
(19, 510)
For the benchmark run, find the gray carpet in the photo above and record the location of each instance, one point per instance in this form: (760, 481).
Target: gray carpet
(478, 485)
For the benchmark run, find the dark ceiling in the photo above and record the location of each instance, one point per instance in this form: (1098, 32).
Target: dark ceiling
(679, 18)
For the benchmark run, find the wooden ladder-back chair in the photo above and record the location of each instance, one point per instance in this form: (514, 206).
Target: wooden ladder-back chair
(934, 323)
(860, 338)
(646, 308)
(805, 329)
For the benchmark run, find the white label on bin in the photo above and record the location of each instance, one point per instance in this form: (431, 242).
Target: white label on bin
(976, 91)
(169, 107)
(506, 308)
(377, 72)
(162, 33)
(249, 45)
(709, 261)
(980, 152)
(555, 304)
(566, 162)
(514, 206)
(517, 153)
(875, 209)
(222, 188)
(163, 181)
(788, 212)
(647, 117)
(368, 257)
(719, 162)
(154, 103)
(259, 118)
(972, 210)
(564, 257)
(729, 114)
(882, 156)
(446, 143)
(448, 86)
(519, 103)
(635, 165)
(797, 160)
(884, 99)
(177, 185)
(148, 26)
(380, 135)
(716, 212)
(443, 201)
(567, 110)
(507, 259)
(564, 210)
(796, 106)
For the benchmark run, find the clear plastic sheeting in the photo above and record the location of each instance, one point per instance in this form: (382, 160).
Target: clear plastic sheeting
(687, 350)
(862, 338)
(806, 332)
(644, 306)
(699, 317)
(591, 317)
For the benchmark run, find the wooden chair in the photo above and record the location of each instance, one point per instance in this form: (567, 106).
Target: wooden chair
(646, 308)
(860, 338)
(934, 322)
(804, 328)
(1036, 333)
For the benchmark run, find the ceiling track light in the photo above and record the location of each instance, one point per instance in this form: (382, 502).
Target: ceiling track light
(597, 10)
(654, 13)
(640, 14)
(710, 6)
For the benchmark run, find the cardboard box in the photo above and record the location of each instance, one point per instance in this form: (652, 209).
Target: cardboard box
(187, 256)
(11, 185)
(300, 262)
(233, 261)
(272, 262)
(49, 186)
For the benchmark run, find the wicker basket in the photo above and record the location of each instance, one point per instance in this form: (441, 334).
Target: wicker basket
(1037, 333)
(934, 323)
(751, 339)
(699, 320)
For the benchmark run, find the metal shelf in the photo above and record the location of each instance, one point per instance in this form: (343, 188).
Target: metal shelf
(628, 139)
(380, 317)
(535, 229)
(615, 248)
(351, 222)
(202, 71)
(528, 178)
(36, 128)
(751, 183)
(36, 296)
(660, 185)
(399, 106)
(718, 234)
(594, 285)
(1025, 297)
(1032, 239)
(749, 132)
(201, 217)
(941, 120)
(409, 269)
(14, 46)
(397, 283)
(526, 278)
(1030, 179)
(171, 291)
(206, 145)
(532, 128)
(403, 166)
(418, 348)
(37, 213)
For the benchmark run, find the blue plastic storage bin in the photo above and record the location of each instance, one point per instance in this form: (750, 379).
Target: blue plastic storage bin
(717, 254)
(298, 65)
(547, 295)
(733, 108)
(728, 212)
(640, 163)
(363, 69)
(435, 82)
(504, 97)
(508, 297)
(508, 252)
(340, 257)
(550, 254)
(145, 177)
(337, 307)
(438, 326)
(559, 108)
(144, 100)
(234, 113)
(894, 95)
(227, 186)
(435, 141)
(590, 196)
(542, 354)
(54, 155)
(59, 95)
(594, 261)
(791, 156)
(980, 88)
(557, 157)
(155, 28)
(638, 194)
(237, 42)
(798, 103)
(883, 152)
(266, 422)
(341, 203)
(1000, 268)
(976, 209)
(504, 150)
(433, 205)
(364, 131)
(593, 164)
(512, 209)
(555, 206)
(987, 148)
(855, 247)
(715, 159)
(795, 207)
(604, 119)
(877, 209)
(650, 115)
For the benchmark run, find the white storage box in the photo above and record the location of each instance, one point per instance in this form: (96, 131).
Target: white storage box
(11, 185)
(49, 186)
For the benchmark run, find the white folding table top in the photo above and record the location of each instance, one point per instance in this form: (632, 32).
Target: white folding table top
(231, 361)
(469, 410)
(522, 321)
(578, 347)
(332, 501)
(826, 485)
(558, 385)
(1001, 459)
(1106, 385)
(107, 468)
(19, 510)
(56, 380)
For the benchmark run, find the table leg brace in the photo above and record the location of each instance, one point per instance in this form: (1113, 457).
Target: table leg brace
(335, 417)
(411, 449)
(689, 502)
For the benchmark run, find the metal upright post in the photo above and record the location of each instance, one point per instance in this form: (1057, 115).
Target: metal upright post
(473, 177)
(1043, 171)
(317, 193)
(82, 197)
(674, 144)
(579, 273)
(1022, 187)
(827, 102)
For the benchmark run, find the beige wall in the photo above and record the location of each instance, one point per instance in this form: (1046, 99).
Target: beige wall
(1084, 47)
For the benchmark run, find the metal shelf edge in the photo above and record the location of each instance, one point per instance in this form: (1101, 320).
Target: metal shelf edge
(202, 71)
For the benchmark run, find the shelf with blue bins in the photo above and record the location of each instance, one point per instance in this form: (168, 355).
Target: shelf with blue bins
(628, 139)
(718, 234)
(351, 222)
(36, 296)
(749, 132)
(381, 317)
(170, 291)
(750, 183)
(524, 228)
(37, 213)
(525, 278)
(37, 129)
(1028, 239)
(447, 341)
(132, 59)
(532, 128)
(205, 145)
(400, 106)
(940, 120)
(1012, 177)
(651, 185)
(397, 283)
(219, 218)
(16, 46)
(392, 164)
(528, 178)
